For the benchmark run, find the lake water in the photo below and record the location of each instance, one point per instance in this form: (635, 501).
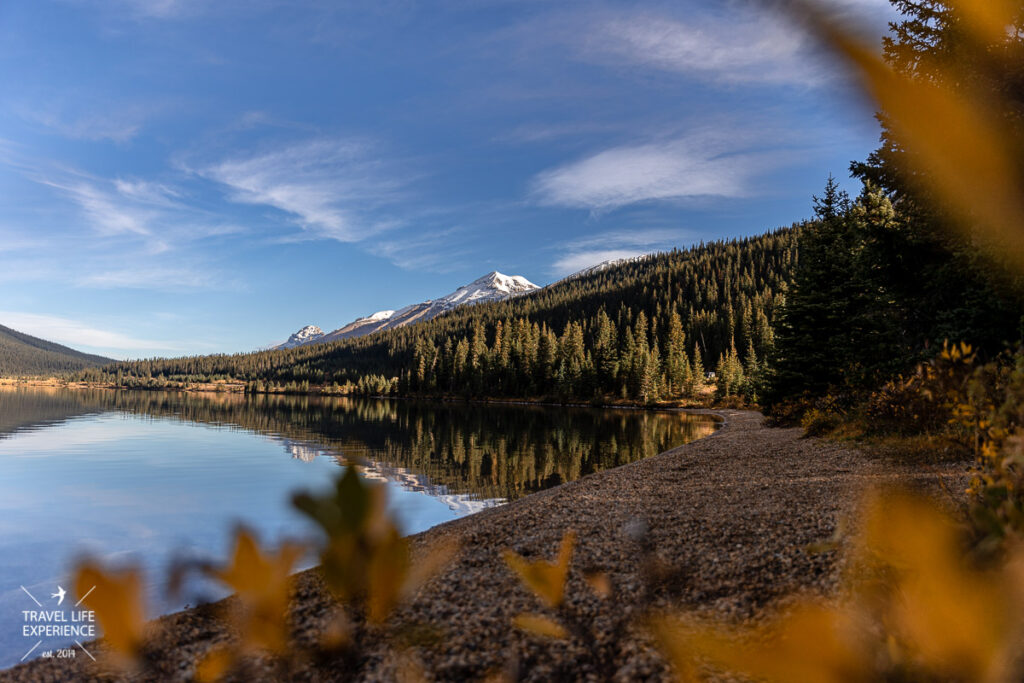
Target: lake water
(156, 477)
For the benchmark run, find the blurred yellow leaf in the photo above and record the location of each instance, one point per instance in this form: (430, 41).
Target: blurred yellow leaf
(116, 598)
(430, 563)
(954, 619)
(599, 583)
(988, 20)
(812, 643)
(393, 576)
(408, 669)
(261, 582)
(365, 561)
(214, 664)
(387, 571)
(546, 579)
(540, 625)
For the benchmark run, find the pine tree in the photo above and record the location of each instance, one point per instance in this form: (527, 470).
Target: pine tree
(696, 385)
(675, 361)
(808, 354)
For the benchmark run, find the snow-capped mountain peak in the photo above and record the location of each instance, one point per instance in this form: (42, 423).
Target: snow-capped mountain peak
(491, 287)
(494, 286)
(307, 335)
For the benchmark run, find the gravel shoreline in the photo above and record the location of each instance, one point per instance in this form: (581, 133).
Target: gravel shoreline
(718, 525)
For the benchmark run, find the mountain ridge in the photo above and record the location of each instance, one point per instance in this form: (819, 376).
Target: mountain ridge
(493, 286)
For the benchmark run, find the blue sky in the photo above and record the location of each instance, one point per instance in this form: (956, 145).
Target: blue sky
(181, 176)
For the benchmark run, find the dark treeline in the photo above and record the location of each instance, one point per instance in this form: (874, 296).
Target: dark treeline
(650, 329)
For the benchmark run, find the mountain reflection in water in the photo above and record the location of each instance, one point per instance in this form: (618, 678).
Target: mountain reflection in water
(475, 451)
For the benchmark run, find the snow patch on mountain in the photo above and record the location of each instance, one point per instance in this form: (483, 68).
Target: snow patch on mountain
(491, 287)
(307, 335)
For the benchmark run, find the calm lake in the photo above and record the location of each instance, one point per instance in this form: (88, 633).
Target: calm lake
(153, 477)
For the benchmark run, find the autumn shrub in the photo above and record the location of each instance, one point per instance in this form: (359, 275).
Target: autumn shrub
(978, 408)
(788, 413)
(817, 422)
(992, 410)
(928, 400)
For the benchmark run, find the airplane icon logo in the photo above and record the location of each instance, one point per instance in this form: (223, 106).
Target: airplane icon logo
(59, 595)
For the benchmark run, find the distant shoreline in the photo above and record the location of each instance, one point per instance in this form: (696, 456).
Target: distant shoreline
(224, 387)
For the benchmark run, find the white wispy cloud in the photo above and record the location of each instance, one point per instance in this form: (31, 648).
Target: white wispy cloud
(738, 48)
(121, 233)
(155, 214)
(76, 333)
(156, 278)
(147, 191)
(108, 213)
(331, 188)
(694, 166)
(434, 250)
(18, 240)
(631, 237)
(162, 9)
(546, 132)
(721, 44)
(80, 117)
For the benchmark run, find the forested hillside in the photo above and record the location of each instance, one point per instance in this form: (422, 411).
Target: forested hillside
(642, 330)
(21, 354)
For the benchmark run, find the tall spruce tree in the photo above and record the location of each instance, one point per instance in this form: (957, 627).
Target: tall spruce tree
(949, 288)
(809, 354)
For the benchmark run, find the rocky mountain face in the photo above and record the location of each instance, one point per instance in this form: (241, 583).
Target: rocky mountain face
(491, 287)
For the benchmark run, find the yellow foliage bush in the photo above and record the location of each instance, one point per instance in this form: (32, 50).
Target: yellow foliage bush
(817, 422)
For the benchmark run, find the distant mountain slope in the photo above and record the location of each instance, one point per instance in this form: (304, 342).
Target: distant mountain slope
(22, 354)
(491, 287)
(603, 265)
(363, 326)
